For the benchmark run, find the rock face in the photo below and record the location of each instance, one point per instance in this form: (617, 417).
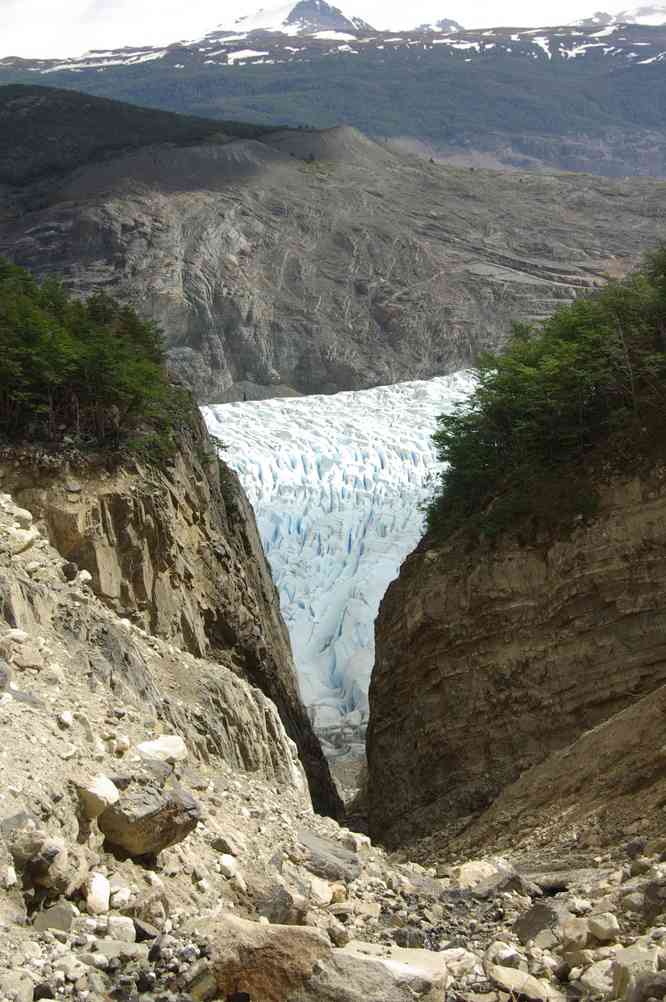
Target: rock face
(314, 262)
(490, 659)
(606, 786)
(177, 552)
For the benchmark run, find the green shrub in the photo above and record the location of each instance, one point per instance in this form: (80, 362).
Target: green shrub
(92, 372)
(560, 407)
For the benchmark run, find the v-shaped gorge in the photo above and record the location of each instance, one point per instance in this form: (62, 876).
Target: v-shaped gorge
(337, 484)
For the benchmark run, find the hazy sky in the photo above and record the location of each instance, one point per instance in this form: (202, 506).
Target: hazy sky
(70, 27)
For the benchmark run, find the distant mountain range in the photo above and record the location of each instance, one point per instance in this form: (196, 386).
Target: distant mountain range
(588, 96)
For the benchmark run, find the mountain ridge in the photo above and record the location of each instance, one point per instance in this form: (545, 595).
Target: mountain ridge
(313, 261)
(564, 98)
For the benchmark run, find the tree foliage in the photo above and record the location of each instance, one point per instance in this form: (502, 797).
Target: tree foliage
(92, 372)
(583, 395)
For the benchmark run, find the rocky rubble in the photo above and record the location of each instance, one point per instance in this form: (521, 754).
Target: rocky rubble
(155, 823)
(158, 844)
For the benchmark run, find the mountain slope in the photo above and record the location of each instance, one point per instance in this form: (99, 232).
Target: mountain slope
(584, 97)
(321, 261)
(46, 131)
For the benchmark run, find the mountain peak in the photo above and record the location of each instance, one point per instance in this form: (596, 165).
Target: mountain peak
(304, 17)
(649, 14)
(446, 24)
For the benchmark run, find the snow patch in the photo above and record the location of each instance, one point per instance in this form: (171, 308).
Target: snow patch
(234, 57)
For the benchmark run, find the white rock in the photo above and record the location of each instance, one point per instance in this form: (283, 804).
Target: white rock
(167, 748)
(66, 719)
(99, 894)
(21, 540)
(321, 891)
(23, 517)
(8, 878)
(229, 865)
(468, 875)
(604, 927)
(517, 983)
(97, 795)
(121, 929)
(598, 978)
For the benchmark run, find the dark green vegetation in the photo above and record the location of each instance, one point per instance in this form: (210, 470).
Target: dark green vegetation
(46, 131)
(432, 95)
(89, 373)
(561, 408)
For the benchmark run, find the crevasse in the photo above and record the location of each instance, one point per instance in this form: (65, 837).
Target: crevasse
(336, 483)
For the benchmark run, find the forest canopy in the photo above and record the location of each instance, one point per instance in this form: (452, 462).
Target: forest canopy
(89, 372)
(561, 406)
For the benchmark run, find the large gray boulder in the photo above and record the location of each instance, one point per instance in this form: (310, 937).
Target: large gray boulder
(328, 859)
(146, 820)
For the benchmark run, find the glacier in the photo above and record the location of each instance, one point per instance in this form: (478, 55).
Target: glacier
(337, 484)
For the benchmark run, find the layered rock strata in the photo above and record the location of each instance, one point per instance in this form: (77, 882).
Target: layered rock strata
(489, 659)
(176, 551)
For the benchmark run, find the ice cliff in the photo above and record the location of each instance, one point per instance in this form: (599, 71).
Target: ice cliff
(337, 483)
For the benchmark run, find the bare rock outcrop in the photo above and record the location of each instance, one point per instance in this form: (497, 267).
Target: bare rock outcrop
(175, 550)
(271, 273)
(606, 788)
(490, 659)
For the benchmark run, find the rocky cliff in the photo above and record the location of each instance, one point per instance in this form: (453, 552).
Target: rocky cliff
(175, 550)
(302, 261)
(489, 659)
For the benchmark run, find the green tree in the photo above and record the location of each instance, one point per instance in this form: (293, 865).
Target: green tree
(94, 370)
(560, 407)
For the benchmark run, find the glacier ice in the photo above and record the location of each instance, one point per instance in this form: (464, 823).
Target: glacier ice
(336, 483)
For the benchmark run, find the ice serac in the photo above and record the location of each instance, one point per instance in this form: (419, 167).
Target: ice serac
(176, 550)
(337, 483)
(490, 658)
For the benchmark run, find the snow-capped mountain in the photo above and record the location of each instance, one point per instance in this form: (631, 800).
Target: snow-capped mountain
(336, 483)
(651, 15)
(481, 97)
(309, 30)
(306, 17)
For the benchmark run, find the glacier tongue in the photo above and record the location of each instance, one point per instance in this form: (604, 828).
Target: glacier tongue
(336, 483)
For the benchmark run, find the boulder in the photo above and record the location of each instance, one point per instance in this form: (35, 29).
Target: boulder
(99, 894)
(575, 933)
(544, 916)
(598, 979)
(60, 916)
(17, 986)
(519, 983)
(469, 875)
(167, 748)
(328, 859)
(48, 862)
(269, 962)
(147, 820)
(96, 795)
(629, 968)
(604, 927)
(275, 902)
